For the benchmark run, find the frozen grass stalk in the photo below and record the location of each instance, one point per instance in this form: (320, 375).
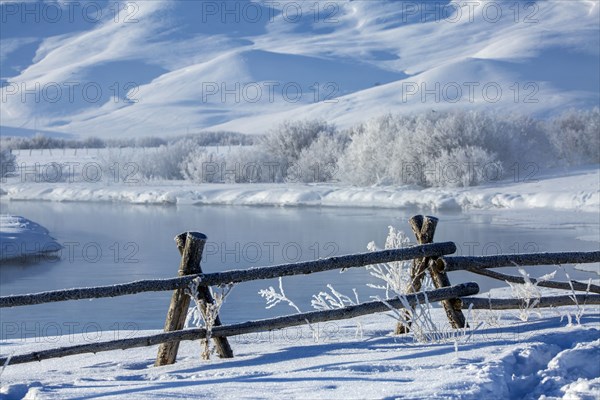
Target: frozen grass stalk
(204, 314)
(573, 296)
(273, 298)
(5, 364)
(529, 293)
(325, 301)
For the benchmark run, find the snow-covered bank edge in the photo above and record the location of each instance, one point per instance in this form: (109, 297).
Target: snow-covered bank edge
(25, 240)
(578, 190)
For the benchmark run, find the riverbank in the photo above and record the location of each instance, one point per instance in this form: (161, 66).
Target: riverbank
(576, 189)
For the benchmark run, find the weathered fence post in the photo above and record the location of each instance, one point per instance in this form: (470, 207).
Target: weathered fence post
(190, 246)
(424, 230)
(453, 306)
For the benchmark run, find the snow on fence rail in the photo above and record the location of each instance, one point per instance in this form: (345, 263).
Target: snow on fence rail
(480, 264)
(427, 257)
(232, 276)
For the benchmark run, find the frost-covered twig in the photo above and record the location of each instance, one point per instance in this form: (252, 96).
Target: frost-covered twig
(489, 317)
(529, 293)
(396, 276)
(273, 298)
(5, 364)
(204, 314)
(325, 301)
(573, 296)
(423, 329)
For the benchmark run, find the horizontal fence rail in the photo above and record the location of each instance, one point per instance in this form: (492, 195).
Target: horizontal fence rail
(458, 263)
(571, 285)
(234, 276)
(480, 303)
(465, 289)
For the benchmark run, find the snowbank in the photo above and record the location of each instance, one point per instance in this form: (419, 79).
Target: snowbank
(501, 358)
(22, 238)
(576, 189)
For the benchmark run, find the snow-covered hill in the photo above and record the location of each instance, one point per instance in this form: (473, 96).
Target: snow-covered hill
(164, 68)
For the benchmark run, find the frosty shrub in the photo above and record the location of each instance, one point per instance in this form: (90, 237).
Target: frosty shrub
(575, 137)
(163, 162)
(7, 162)
(243, 164)
(573, 295)
(397, 282)
(253, 165)
(366, 160)
(194, 166)
(418, 320)
(461, 148)
(299, 151)
(319, 161)
(324, 301)
(273, 297)
(464, 166)
(286, 142)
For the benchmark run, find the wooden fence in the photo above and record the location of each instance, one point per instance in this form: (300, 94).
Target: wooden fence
(424, 230)
(427, 257)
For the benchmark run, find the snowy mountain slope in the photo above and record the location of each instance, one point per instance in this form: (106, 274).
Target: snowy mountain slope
(163, 68)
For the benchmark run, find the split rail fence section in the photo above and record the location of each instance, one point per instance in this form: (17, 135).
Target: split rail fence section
(428, 257)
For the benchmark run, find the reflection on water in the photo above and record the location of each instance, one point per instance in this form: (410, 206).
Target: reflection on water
(111, 243)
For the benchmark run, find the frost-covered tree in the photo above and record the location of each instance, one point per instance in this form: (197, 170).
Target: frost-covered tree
(575, 136)
(239, 165)
(7, 162)
(287, 141)
(163, 162)
(464, 166)
(319, 161)
(461, 148)
(366, 160)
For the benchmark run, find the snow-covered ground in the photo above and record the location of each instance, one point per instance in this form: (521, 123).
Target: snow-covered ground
(500, 357)
(24, 239)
